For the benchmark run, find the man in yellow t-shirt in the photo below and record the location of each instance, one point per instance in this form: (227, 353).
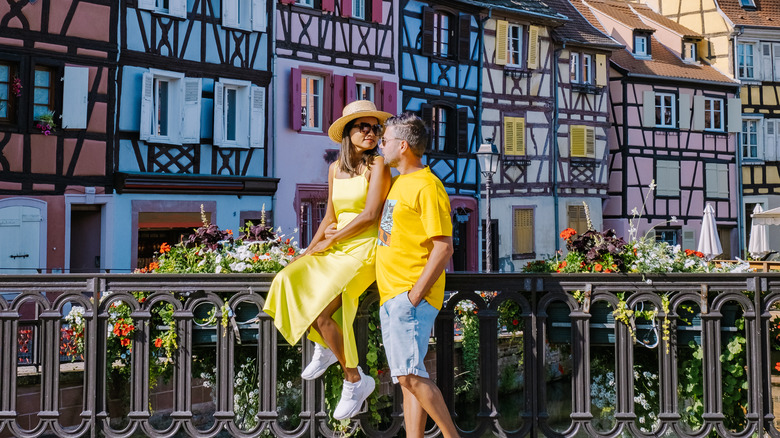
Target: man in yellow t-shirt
(415, 244)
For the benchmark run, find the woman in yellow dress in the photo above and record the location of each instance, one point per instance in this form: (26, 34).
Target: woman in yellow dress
(319, 291)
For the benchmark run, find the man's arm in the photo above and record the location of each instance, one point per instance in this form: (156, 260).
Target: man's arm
(440, 256)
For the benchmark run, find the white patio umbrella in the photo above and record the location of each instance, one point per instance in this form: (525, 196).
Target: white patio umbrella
(759, 242)
(709, 242)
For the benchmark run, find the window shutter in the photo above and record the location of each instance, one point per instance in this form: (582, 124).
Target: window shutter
(688, 239)
(149, 5)
(520, 135)
(295, 97)
(684, 102)
(577, 140)
(346, 8)
(464, 37)
(763, 70)
(426, 112)
(337, 99)
(590, 142)
(711, 179)
(147, 94)
(533, 47)
(523, 233)
(190, 123)
(327, 5)
(229, 13)
(668, 178)
(723, 180)
(577, 218)
(502, 38)
(257, 118)
(389, 97)
(698, 113)
(462, 139)
(259, 15)
(648, 109)
(735, 115)
(219, 114)
(601, 70)
(376, 11)
(350, 93)
(427, 31)
(74, 98)
(178, 8)
(776, 63)
(770, 141)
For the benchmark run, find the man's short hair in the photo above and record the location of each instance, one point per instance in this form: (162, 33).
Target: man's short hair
(410, 127)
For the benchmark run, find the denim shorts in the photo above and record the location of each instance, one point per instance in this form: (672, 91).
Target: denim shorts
(405, 332)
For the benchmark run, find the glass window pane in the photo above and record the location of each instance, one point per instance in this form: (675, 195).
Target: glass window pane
(162, 109)
(39, 110)
(41, 96)
(5, 73)
(42, 78)
(3, 91)
(230, 116)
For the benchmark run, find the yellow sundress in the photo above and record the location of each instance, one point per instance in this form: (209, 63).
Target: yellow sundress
(302, 290)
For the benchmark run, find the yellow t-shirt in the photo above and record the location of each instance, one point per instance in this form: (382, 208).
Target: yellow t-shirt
(416, 210)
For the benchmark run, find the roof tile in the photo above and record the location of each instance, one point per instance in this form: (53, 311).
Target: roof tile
(766, 13)
(578, 29)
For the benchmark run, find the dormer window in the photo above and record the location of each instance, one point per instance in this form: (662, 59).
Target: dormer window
(641, 44)
(747, 3)
(689, 51)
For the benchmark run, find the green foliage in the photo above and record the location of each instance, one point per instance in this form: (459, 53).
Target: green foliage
(466, 378)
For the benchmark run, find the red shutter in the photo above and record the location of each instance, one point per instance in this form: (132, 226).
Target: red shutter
(350, 92)
(288, 2)
(346, 8)
(338, 97)
(389, 97)
(464, 37)
(295, 99)
(427, 31)
(376, 11)
(328, 5)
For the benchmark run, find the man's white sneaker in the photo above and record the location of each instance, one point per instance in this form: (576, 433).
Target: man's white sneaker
(320, 361)
(353, 395)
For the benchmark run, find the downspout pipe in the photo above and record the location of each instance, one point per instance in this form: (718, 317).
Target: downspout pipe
(554, 147)
(738, 146)
(479, 124)
(271, 152)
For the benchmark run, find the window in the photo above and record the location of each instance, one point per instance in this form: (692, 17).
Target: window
(162, 5)
(359, 9)
(666, 235)
(174, 8)
(440, 124)
(522, 232)
(170, 108)
(43, 92)
(312, 205)
(746, 61)
(689, 51)
(577, 219)
(583, 141)
(747, 3)
(307, 3)
(514, 45)
(365, 90)
(311, 102)
(750, 147)
(574, 67)
(713, 114)
(514, 137)
(10, 88)
(717, 180)
(245, 14)
(642, 45)
(667, 177)
(442, 34)
(665, 110)
(587, 69)
(239, 109)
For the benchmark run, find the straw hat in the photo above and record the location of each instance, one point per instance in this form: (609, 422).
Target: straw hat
(355, 110)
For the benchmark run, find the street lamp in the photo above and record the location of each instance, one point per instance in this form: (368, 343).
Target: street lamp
(488, 156)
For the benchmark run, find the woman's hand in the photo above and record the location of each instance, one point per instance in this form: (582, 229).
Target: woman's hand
(320, 246)
(330, 231)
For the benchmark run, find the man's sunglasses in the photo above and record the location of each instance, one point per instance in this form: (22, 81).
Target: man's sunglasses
(365, 127)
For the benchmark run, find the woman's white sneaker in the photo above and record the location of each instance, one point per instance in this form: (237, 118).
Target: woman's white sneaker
(320, 361)
(353, 395)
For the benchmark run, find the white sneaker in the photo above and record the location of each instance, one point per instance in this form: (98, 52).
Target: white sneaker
(353, 395)
(320, 361)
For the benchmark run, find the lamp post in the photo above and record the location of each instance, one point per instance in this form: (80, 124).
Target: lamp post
(488, 156)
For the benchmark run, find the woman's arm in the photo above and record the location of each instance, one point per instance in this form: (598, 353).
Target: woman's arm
(378, 187)
(330, 214)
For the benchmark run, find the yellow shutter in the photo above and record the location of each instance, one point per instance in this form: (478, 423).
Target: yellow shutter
(519, 136)
(533, 47)
(523, 231)
(590, 142)
(601, 70)
(577, 219)
(509, 136)
(502, 29)
(577, 140)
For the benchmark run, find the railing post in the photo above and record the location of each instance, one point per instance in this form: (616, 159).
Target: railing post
(139, 377)
(758, 356)
(182, 363)
(624, 377)
(50, 364)
(8, 321)
(95, 360)
(443, 330)
(488, 365)
(712, 369)
(580, 320)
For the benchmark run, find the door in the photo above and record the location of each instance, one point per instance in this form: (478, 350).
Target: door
(85, 239)
(20, 234)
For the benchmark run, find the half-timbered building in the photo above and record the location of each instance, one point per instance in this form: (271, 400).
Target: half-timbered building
(192, 130)
(744, 38)
(674, 119)
(330, 53)
(57, 64)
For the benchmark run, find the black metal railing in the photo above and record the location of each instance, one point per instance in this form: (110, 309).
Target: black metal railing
(690, 326)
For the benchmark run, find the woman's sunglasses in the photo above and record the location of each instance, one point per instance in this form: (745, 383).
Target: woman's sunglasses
(365, 127)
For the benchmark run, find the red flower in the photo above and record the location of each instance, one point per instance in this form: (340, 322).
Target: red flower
(158, 342)
(777, 366)
(597, 267)
(229, 232)
(142, 299)
(567, 233)
(255, 258)
(152, 266)
(290, 251)
(689, 252)
(515, 322)
(125, 342)
(164, 248)
(699, 254)
(287, 242)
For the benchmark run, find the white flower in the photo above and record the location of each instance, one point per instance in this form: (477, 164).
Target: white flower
(218, 269)
(673, 219)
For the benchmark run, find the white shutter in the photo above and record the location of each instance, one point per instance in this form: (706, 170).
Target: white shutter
(258, 119)
(735, 115)
(230, 13)
(147, 94)
(74, 98)
(698, 113)
(668, 178)
(770, 140)
(648, 105)
(149, 5)
(178, 8)
(723, 180)
(601, 70)
(776, 63)
(685, 111)
(688, 239)
(763, 70)
(219, 115)
(259, 15)
(190, 123)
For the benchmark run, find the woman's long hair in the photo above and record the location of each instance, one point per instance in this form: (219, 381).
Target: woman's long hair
(349, 159)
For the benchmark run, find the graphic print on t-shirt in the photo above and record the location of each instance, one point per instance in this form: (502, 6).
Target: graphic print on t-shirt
(386, 224)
